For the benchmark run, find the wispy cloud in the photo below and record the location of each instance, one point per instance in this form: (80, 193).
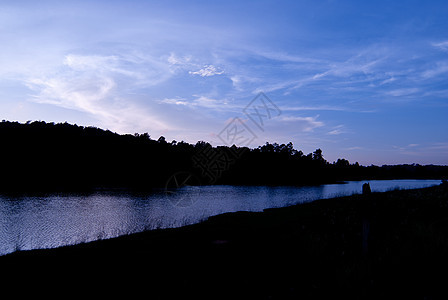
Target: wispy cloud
(362, 63)
(337, 130)
(354, 148)
(414, 149)
(403, 92)
(207, 71)
(388, 80)
(440, 68)
(325, 108)
(307, 124)
(364, 67)
(441, 45)
(174, 59)
(95, 85)
(286, 57)
(201, 101)
(443, 146)
(175, 101)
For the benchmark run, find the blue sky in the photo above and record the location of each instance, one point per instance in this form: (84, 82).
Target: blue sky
(362, 80)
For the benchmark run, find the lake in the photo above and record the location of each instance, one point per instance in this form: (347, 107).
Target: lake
(34, 222)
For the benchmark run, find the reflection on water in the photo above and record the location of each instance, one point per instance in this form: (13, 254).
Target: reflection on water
(29, 222)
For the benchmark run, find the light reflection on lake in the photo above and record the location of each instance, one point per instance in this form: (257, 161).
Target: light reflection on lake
(31, 222)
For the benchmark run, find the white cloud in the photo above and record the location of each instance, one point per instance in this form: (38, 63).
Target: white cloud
(439, 146)
(441, 45)
(241, 82)
(99, 86)
(320, 107)
(435, 93)
(285, 57)
(366, 64)
(408, 149)
(354, 148)
(388, 80)
(175, 101)
(356, 64)
(440, 68)
(89, 62)
(202, 102)
(207, 102)
(72, 93)
(403, 92)
(174, 59)
(307, 124)
(337, 130)
(208, 70)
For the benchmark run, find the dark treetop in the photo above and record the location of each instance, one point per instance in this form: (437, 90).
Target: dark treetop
(40, 156)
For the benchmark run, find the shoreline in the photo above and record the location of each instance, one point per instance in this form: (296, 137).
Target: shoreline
(360, 246)
(160, 190)
(150, 189)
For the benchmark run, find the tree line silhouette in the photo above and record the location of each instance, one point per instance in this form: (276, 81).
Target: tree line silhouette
(40, 156)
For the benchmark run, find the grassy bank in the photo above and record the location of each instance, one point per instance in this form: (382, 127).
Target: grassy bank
(382, 245)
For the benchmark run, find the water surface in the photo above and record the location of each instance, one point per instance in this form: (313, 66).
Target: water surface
(33, 222)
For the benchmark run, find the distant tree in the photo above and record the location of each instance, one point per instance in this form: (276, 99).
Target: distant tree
(286, 149)
(289, 148)
(342, 163)
(145, 136)
(317, 155)
(201, 144)
(267, 148)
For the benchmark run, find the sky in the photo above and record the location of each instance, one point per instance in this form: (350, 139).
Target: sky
(362, 80)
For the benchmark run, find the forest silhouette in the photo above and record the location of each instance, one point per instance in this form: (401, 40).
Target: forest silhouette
(40, 156)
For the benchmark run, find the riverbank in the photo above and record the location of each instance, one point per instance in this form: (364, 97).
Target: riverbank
(382, 245)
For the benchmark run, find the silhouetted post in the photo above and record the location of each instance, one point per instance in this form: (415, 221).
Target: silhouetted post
(366, 189)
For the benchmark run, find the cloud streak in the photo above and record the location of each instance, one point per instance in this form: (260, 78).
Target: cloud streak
(93, 84)
(305, 124)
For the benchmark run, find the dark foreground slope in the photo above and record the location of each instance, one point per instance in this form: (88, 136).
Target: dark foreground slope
(378, 246)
